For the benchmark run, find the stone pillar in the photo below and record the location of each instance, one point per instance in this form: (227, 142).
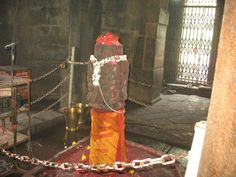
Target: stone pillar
(219, 150)
(147, 69)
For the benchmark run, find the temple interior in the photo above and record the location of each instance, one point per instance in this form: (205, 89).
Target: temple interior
(171, 74)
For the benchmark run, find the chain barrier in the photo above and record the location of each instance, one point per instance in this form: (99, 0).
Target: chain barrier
(77, 62)
(166, 159)
(50, 106)
(50, 72)
(137, 102)
(140, 83)
(50, 92)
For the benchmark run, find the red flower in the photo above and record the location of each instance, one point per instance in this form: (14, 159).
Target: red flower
(108, 39)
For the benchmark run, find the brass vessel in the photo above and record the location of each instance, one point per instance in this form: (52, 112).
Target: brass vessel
(84, 112)
(72, 115)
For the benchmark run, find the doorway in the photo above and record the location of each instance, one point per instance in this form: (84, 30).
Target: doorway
(192, 41)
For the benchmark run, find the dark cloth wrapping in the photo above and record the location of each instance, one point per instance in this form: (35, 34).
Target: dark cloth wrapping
(113, 80)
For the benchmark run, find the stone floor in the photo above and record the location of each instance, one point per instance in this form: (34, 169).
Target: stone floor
(166, 126)
(170, 120)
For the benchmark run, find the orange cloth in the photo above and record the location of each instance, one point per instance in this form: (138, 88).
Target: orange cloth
(107, 139)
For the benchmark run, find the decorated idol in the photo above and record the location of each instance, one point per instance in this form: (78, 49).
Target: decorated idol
(107, 91)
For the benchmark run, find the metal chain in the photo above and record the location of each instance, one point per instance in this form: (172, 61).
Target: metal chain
(49, 92)
(166, 159)
(77, 62)
(50, 72)
(141, 83)
(137, 102)
(50, 106)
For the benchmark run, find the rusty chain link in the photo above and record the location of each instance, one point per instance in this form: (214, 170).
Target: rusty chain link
(166, 159)
(50, 106)
(50, 72)
(49, 92)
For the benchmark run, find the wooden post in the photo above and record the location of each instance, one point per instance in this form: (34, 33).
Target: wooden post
(219, 150)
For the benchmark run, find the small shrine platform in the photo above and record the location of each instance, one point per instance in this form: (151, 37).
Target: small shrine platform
(79, 153)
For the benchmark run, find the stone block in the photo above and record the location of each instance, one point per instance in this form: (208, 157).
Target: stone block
(144, 76)
(149, 77)
(144, 94)
(151, 11)
(151, 30)
(109, 20)
(163, 16)
(159, 61)
(128, 39)
(161, 31)
(158, 75)
(115, 6)
(139, 52)
(156, 91)
(159, 53)
(164, 4)
(140, 92)
(135, 7)
(149, 55)
(50, 34)
(141, 25)
(49, 16)
(128, 22)
(47, 3)
(46, 53)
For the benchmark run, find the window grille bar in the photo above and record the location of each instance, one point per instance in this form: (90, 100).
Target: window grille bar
(196, 43)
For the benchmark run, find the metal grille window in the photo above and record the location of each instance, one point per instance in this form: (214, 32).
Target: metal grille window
(196, 41)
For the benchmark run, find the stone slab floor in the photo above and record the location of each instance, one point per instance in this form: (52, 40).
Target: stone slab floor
(167, 126)
(170, 120)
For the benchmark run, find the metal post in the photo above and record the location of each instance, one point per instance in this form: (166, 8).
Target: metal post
(13, 98)
(71, 76)
(219, 150)
(29, 120)
(13, 117)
